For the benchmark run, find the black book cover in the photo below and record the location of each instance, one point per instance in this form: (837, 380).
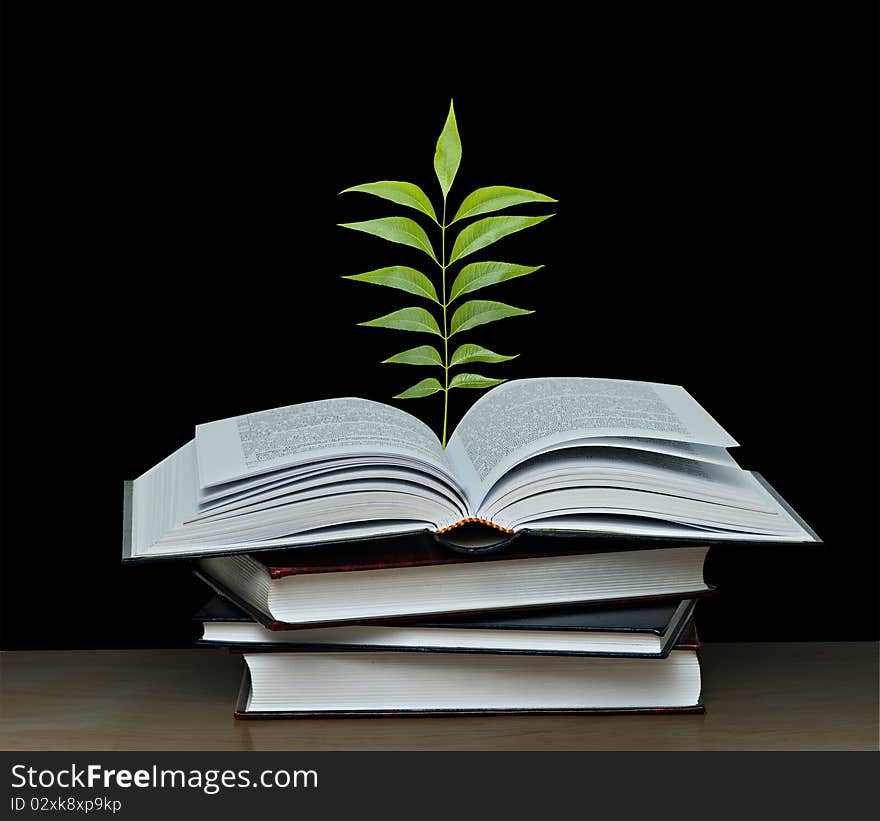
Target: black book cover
(673, 617)
(273, 624)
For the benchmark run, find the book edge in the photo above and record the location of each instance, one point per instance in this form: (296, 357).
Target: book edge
(242, 617)
(787, 508)
(272, 624)
(686, 622)
(127, 502)
(240, 711)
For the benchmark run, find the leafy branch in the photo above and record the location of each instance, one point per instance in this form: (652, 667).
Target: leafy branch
(471, 277)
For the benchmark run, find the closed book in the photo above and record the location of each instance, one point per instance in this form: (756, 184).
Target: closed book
(648, 630)
(340, 684)
(343, 584)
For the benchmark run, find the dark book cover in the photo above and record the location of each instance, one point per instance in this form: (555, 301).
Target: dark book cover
(688, 638)
(684, 638)
(657, 618)
(653, 617)
(399, 553)
(273, 624)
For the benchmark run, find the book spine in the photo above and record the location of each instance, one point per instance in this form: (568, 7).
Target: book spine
(475, 520)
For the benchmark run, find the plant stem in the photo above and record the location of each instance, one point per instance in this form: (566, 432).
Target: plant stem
(445, 328)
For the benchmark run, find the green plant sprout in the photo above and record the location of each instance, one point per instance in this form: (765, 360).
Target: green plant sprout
(472, 277)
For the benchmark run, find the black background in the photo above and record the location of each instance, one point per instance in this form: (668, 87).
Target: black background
(171, 257)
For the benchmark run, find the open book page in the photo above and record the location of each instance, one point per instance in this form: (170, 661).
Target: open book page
(211, 497)
(634, 526)
(257, 443)
(287, 490)
(164, 511)
(336, 483)
(163, 497)
(623, 468)
(622, 510)
(684, 450)
(521, 418)
(364, 502)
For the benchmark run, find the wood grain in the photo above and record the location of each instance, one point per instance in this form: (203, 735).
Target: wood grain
(805, 696)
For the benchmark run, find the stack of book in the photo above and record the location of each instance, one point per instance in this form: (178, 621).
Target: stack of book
(547, 560)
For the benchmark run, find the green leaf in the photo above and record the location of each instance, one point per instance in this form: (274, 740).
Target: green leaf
(403, 193)
(476, 353)
(479, 312)
(494, 198)
(424, 388)
(400, 277)
(473, 380)
(484, 232)
(423, 355)
(447, 156)
(402, 230)
(407, 319)
(482, 274)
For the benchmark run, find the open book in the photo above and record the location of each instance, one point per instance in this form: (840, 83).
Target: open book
(557, 455)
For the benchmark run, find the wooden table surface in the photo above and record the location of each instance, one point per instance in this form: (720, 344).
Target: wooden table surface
(758, 696)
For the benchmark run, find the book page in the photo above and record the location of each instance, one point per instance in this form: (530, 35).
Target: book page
(684, 450)
(163, 497)
(257, 443)
(333, 482)
(520, 418)
(623, 468)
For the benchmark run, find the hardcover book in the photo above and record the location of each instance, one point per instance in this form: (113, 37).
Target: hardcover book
(647, 630)
(555, 456)
(339, 584)
(345, 684)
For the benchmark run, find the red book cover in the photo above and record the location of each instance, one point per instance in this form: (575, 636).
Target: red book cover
(421, 552)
